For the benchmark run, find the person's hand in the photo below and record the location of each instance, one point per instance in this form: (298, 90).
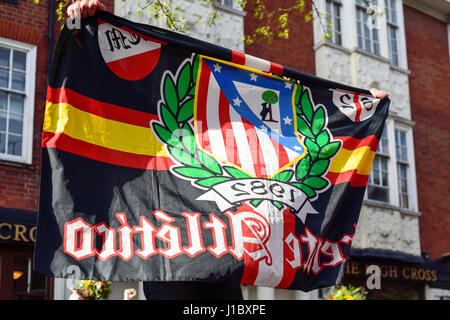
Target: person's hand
(75, 295)
(378, 93)
(84, 8)
(129, 294)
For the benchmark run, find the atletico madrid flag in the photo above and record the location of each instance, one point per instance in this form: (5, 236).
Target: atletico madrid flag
(165, 158)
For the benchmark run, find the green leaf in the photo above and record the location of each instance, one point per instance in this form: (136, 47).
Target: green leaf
(170, 94)
(184, 80)
(313, 148)
(184, 157)
(168, 119)
(318, 121)
(256, 202)
(283, 176)
(330, 150)
(277, 204)
(307, 190)
(165, 135)
(192, 91)
(298, 94)
(195, 173)
(209, 162)
(236, 173)
(209, 182)
(316, 182)
(319, 167)
(306, 105)
(302, 167)
(195, 68)
(188, 138)
(323, 138)
(304, 128)
(186, 111)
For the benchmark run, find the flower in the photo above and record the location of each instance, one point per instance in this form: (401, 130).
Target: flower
(93, 290)
(347, 293)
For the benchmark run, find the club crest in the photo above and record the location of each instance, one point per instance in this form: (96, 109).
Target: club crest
(245, 137)
(246, 118)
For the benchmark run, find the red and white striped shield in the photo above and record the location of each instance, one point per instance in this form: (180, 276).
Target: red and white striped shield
(259, 144)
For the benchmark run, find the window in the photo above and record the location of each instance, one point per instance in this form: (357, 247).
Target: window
(402, 167)
(234, 4)
(17, 67)
(392, 26)
(391, 178)
(366, 30)
(228, 3)
(28, 284)
(334, 21)
(378, 184)
(19, 280)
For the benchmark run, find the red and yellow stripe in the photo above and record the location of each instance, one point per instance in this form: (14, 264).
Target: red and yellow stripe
(353, 162)
(101, 131)
(120, 136)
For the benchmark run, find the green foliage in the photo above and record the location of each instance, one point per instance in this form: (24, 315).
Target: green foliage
(349, 292)
(93, 290)
(274, 22)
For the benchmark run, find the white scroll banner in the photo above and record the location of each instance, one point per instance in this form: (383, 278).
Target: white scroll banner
(227, 194)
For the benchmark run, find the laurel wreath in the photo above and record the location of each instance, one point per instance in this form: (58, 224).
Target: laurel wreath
(175, 130)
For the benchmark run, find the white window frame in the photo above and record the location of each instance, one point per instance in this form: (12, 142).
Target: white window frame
(223, 3)
(392, 25)
(381, 155)
(391, 126)
(350, 31)
(28, 111)
(377, 51)
(411, 172)
(234, 5)
(330, 19)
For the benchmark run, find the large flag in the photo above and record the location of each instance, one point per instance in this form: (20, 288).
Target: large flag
(165, 158)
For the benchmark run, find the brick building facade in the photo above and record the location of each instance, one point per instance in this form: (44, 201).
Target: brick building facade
(427, 39)
(25, 37)
(24, 32)
(296, 52)
(27, 23)
(428, 58)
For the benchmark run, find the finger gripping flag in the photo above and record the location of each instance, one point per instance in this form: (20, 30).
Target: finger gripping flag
(165, 158)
